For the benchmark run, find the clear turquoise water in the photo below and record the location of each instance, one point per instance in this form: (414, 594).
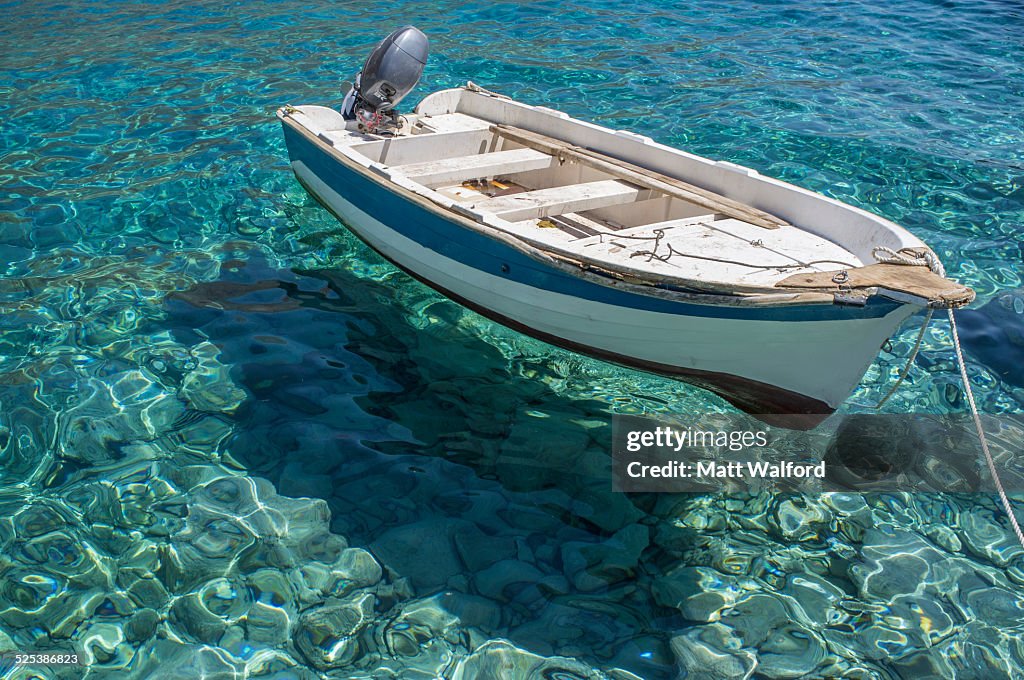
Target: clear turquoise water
(231, 438)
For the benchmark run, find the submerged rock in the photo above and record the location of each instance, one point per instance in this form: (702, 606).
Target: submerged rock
(419, 624)
(423, 552)
(896, 561)
(479, 550)
(327, 636)
(817, 597)
(167, 660)
(141, 626)
(801, 520)
(757, 616)
(700, 593)
(276, 665)
(998, 607)
(472, 610)
(502, 659)
(712, 652)
(504, 580)
(592, 566)
(355, 568)
(790, 651)
(208, 387)
(989, 538)
(267, 625)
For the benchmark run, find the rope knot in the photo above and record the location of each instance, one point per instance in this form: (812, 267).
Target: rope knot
(909, 256)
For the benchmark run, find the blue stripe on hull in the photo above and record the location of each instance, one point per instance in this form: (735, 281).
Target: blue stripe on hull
(448, 238)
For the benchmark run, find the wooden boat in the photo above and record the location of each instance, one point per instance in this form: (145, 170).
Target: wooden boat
(607, 243)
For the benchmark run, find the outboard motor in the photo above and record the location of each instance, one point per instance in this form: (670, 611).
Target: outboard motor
(391, 71)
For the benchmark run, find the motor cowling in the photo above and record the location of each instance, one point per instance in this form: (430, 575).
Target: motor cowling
(391, 71)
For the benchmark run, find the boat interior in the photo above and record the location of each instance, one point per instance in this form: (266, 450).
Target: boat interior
(592, 208)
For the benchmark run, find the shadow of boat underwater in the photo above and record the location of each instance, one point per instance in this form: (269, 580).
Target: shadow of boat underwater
(994, 334)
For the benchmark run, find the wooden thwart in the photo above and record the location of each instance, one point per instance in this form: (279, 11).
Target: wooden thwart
(640, 176)
(647, 229)
(462, 168)
(915, 281)
(559, 200)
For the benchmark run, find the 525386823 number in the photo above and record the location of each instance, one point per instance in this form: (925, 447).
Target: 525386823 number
(40, 659)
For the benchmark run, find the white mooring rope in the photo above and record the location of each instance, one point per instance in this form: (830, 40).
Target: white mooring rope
(908, 256)
(981, 431)
(910, 362)
(926, 258)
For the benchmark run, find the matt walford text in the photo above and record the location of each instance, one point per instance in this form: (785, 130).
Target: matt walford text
(732, 470)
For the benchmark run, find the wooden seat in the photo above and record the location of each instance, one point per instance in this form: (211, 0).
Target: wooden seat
(463, 168)
(559, 200)
(641, 229)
